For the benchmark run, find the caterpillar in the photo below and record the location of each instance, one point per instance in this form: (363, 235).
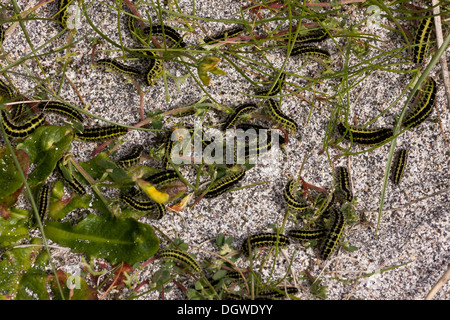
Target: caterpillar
(365, 136)
(222, 36)
(63, 6)
(131, 158)
(311, 51)
(2, 35)
(22, 130)
(246, 108)
(168, 152)
(260, 146)
(43, 201)
(307, 235)
(153, 71)
(73, 183)
(157, 210)
(60, 108)
(180, 256)
(399, 166)
(276, 88)
(6, 92)
(263, 240)
(289, 197)
(119, 67)
(163, 177)
(224, 184)
(421, 39)
(280, 293)
(333, 235)
(424, 105)
(101, 133)
(316, 35)
(275, 113)
(169, 32)
(344, 184)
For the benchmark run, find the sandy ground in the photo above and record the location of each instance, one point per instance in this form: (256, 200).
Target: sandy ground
(414, 226)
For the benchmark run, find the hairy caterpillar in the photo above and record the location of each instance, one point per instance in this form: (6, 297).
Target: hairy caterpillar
(163, 177)
(169, 32)
(60, 108)
(424, 106)
(344, 184)
(333, 235)
(246, 108)
(63, 6)
(156, 210)
(180, 256)
(316, 35)
(421, 39)
(311, 51)
(22, 130)
(73, 183)
(224, 184)
(290, 199)
(101, 133)
(399, 166)
(222, 36)
(280, 293)
(365, 136)
(131, 158)
(307, 235)
(119, 67)
(43, 201)
(275, 113)
(263, 240)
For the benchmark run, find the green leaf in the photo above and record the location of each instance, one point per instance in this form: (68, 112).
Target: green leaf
(45, 147)
(102, 164)
(15, 228)
(114, 239)
(10, 180)
(81, 290)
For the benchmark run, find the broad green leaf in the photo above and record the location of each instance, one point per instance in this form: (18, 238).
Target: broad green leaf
(59, 206)
(77, 283)
(10, 179)
(45, 147)
(114, 239)
(101, 165)
(14, 266)
(15, 228)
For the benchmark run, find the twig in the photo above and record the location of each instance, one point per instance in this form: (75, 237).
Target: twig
(439, 284)
(440, 40)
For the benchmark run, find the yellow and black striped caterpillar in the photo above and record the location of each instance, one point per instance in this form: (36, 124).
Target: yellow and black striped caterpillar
(119, 67)
(14, 130)
(241, 110)
(6, 92)
(307, 235)
(399, 166)
(263, 240)
(44, 201)
(421, 39)
(315, 35)
(154, 70)
(424, 106)
(163, 177)
(344, 183)
(225, 183)
(131, 158)
(101, 133)
(334, 234)
(224, 35)
(60, 108)
(273, 110)
(280, 293)
(290, 198)
(365, 136)
(154, 209)
(310, 51)
(73, 183)
(168, 32)
(180, 256)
